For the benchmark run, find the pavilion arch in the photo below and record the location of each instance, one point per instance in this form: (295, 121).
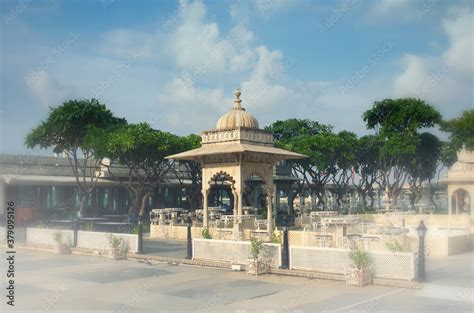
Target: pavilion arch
(223, 174)
(224, 177)
(461, 201)
(264, 184)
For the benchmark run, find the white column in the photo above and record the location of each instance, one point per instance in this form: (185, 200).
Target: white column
(270, 211)
(457, 204)
(205, 194)
(450, 201)
(239, 205)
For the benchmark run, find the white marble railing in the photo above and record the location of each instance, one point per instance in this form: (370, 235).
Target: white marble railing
(395, 265)
(237, 252)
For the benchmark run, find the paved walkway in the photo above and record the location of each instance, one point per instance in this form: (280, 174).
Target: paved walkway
(48, 282)
(165, 248)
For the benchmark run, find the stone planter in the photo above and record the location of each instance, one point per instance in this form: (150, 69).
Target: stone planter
(62, 248)
(357, 277)
(117, 253)
(256, 267)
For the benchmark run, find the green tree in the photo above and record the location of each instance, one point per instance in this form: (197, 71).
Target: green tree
(192, 171)
(423, 166)
(313, 139)
(461, 131)
(365, 169)
(397, 122)
(141, 151)
(345, 160)
(65, 130)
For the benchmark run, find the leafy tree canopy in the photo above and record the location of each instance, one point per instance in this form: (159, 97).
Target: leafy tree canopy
(405, 115)
(285, 131)
(192, 141)
(425, 162)
(137, 145)
(461, 130)
(67, 125)
(367, 153)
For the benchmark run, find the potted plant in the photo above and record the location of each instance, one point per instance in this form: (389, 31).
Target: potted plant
(61, 246)
(276, 237)
(116, 248)
(205, 233)
(254, 265)
(359, 272)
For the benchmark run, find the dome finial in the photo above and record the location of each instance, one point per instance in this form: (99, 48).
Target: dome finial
(237, 100)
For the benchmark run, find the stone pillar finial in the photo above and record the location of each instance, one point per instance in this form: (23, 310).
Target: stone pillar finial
(237, 100)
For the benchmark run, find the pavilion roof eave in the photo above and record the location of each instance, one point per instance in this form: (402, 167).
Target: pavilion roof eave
(235, 148)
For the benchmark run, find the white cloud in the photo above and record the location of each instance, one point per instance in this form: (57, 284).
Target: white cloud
(124, 43)
(441, 79)
(187, 108)
(386, 6)
(46, 89)
(444, 80)
(459, 26)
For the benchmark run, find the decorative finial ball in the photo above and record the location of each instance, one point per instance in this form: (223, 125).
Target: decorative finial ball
(237, 93)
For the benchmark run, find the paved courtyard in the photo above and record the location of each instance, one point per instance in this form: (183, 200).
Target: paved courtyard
(47, 282)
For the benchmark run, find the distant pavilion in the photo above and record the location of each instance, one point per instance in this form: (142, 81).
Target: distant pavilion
(460, 181)
(235, 151)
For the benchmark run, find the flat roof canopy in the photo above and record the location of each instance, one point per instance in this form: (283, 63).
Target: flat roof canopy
(235, 148)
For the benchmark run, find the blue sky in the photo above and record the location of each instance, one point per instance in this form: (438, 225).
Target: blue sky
(174, 64)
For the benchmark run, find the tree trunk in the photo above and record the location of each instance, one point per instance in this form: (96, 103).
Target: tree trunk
(372, 200)
(413, 196)
(83, 196)
(143, 204)
(363, 200)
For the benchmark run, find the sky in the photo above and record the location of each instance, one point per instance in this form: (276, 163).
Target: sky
(175, 64)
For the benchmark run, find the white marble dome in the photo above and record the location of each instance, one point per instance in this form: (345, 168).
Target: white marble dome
(237, 116)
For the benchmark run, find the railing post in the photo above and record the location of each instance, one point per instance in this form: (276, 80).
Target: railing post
(189, 255)
(140, 237)
(285, 252)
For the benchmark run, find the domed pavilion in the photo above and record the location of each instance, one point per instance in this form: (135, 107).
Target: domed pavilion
(235, 151)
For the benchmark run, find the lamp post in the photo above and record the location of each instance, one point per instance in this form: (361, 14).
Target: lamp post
(421, 230)
(189, 223)
(285, 253)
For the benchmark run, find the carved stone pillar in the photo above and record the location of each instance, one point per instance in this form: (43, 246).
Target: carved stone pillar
(270, 211)
(205, 194)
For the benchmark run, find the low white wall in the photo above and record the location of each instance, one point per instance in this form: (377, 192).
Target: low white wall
(235, 251)
(459, 244)
(100, 240)
(46, 236)
(399, 265)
